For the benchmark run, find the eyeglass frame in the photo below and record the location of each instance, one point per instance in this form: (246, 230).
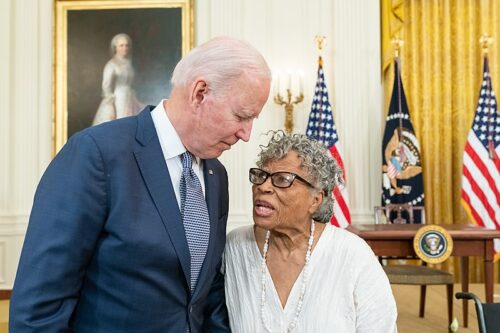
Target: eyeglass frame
(270, 175)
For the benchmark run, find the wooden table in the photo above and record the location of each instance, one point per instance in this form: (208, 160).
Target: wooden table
(468, 240)
(5, 294)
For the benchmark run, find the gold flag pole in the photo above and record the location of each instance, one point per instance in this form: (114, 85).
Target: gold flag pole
(397, 44)
(320, 44)
(485, 41)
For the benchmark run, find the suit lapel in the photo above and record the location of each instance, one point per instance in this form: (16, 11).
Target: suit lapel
(154, 170)
(212, 187)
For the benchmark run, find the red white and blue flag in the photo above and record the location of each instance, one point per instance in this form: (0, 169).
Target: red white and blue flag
(322, 128)
(481, 165)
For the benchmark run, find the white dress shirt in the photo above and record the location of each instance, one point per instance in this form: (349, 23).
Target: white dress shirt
(172, 148)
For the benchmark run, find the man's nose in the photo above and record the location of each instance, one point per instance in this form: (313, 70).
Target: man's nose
(245, 131)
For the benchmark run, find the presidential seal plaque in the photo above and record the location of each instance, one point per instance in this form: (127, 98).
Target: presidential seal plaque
(433, 244)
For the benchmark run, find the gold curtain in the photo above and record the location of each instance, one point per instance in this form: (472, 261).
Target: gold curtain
(392, 12)
(442, 64)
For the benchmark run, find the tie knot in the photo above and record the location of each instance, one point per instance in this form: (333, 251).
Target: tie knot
(187, 160)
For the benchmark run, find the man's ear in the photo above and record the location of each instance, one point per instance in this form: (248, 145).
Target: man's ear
(198, 92)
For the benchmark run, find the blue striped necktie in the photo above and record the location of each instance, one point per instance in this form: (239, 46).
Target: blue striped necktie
(194, 217)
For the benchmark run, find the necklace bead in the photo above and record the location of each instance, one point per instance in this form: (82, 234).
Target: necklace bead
(305, 275)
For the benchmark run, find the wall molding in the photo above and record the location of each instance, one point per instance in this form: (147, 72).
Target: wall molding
(363, 218)
(3, 263)
(13, 224)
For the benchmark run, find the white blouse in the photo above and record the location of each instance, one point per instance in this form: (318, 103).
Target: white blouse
(347, 290)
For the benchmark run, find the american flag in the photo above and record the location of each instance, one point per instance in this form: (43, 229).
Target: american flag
(481, 166)
(322, 128)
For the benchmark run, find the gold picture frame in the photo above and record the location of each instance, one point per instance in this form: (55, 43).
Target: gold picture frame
(160, 33)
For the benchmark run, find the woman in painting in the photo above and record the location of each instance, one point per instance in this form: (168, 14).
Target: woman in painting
(118, 96)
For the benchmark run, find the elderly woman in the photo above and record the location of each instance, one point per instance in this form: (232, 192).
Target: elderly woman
(293, 271)
(118, 97)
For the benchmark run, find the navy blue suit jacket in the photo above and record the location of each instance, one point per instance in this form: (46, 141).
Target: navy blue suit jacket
(105, 249)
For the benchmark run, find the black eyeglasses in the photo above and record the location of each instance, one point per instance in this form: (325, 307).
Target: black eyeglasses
(279, 179)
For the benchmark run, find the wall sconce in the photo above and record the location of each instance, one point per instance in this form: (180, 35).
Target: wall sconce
(289, 100)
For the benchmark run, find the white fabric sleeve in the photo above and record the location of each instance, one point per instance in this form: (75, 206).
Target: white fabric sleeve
(108, 80)
(376, 310)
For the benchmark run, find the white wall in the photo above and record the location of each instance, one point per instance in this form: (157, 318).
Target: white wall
(25, 118)
(283, 30)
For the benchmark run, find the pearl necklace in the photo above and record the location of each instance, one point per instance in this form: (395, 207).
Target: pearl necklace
(305, 277)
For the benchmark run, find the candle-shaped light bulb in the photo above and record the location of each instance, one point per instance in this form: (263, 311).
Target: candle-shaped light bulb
(289, 80)
(277, 77)
(301, 82)
(276, 88)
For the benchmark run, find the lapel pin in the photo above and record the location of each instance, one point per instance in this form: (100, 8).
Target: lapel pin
(210, 172)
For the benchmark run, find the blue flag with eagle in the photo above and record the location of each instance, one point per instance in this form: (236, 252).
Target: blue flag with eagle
(402, 181)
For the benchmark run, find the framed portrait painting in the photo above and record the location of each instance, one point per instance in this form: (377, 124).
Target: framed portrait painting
(113, 57)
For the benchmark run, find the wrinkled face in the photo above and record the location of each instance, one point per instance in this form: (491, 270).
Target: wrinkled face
(285, 208)
(122, 47)
(220, 122)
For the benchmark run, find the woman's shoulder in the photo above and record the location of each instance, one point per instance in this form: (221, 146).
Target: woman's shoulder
(350, 243)
(111, 63)
(239, 235)
(240, 243)
(115, 64)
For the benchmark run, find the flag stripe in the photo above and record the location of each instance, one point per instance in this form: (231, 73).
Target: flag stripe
(338, 219)
(482, 155)
(471, 210)
(497, 160)
(321, 127)
(483, 169)
(474, 187)
(476, 208)
(340, 202)
(339, 198)
(336, 155)
(481, 179)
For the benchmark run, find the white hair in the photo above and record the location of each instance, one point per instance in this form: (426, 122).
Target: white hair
(220, 60)
(114, 41)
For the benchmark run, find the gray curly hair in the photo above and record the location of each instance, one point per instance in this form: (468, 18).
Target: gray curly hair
(316, 161)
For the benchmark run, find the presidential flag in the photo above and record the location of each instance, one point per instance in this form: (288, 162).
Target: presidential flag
(402, 181)
(322, 128)
(481, 165)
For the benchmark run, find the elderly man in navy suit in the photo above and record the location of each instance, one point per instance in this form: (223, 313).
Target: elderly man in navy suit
(128, 223)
